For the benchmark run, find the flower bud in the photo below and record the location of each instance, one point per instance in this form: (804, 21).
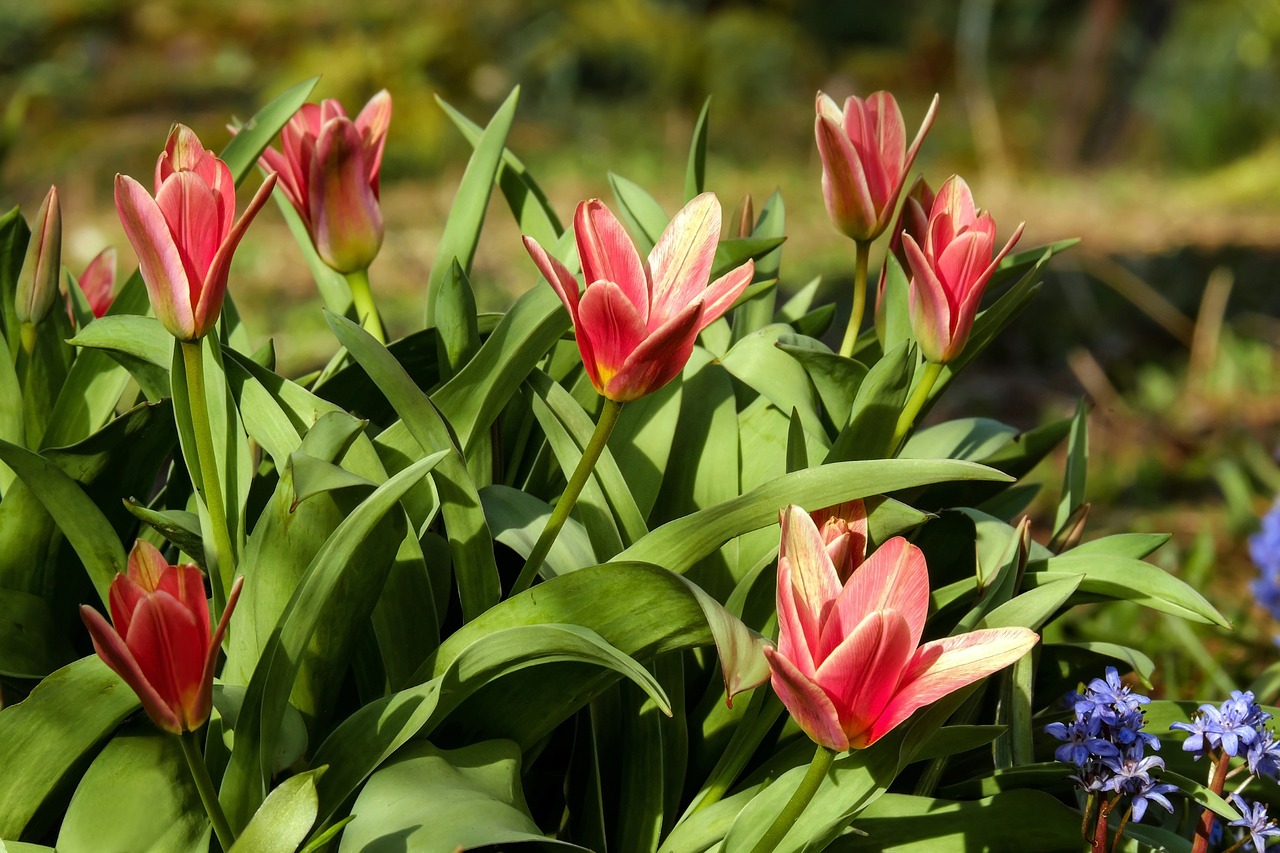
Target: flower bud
(38, 281)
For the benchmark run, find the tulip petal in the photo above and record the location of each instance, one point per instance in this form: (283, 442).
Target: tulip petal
(346, 219)
(215, 285)
(724, 291)
(961, 264)
(614, 328)
(844, 182)
(893, 578)
(191, 209)
(862, 673)
(813, 576)
(910, 159)
(607, 254)
(928, 306)
(680, 262)
(98, 281)
(160, 262)
(658, 359)
(204, 698)
(165, 640)
(883, 147)
(792, 643)
(811, 708)
(372, 123)
(116, 655)
(944, 666)
(953, 211)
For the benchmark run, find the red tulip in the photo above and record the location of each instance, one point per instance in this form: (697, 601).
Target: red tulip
(160, 644)
(98, 281)
(636, 322)
(951, 270)
(865, 160)
(186, 235)
(914, 220)
(328, 167)
(849, 665)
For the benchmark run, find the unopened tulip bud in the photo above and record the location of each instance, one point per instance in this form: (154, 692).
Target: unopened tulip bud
(38, 281)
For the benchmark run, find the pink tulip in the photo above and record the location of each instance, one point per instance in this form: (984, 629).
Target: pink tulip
(849, 665)
(951, 270)
(37, 287)
(914, 220)
(160, 645)
(635, 321)
(328, 167)
(186, 235)
(865, 160)
(98, 281)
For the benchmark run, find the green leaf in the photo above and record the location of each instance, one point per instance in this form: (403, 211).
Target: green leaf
(312, 476)
(12, 429)
(642, 215)
(641, 442)
(1077, 467)
(897, 305)
(291, 743)
(975, 439)
(457, 335)
(835, 378)
(757, 312)
(161, 811)
(431, 800)
(1136, 546)
(14, 235)
(780, 378)
(526, 199)
(1135, 659)
(466, 216)
(679, 544)
(991, 322)
(874, 415)
(1033, 608)
(79, 519)
(241, 153)
(285, 818)
(1125, 579)
(695, 173)
(140, 344)
(1202, 794)
(517, 519)
(51, 732)
(31, 644)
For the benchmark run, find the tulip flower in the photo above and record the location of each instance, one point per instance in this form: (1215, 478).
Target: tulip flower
(950, 270)
(328, 167)
(37, 288)
(865, 160)
(636, 322)
(849, 665)
(98, 281)
(186, 235)
(913, 219)
(160, 643)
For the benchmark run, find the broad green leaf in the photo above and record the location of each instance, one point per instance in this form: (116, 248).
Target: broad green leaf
(180, 527)
(1033, 608)
(874, 415)
(525, 198)
(992, 321)
(136, 795)
(1136, 546)
(312, 476)
(11, 421)
(285, 818)
(291, 743)
(679, 544)
(1135, 659)
(517, 519)
(695, 173)
(835, 378)
(734, 252)
(457, 334)
(31, 644)
(1202, 794)
(441, 801)
(641, 442)
(757, 312)
(1017, 263)
(241, 153)
(14, 235)
(466, 217)
(51, 732)
(757, 361)
(1126, 579)
(470, 542)
(640, 212)
(950, 740)
(897, 306)
(975, 439)
(1077, 467)
(140, 344)
(79, 519)
(799, 304)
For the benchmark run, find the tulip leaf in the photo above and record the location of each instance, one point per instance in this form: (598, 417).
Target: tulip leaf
(11, 419)
(1134, 659)
(457, 335)
(243, 785)
(470, 542)
(993, 320)
(695, 173)
(975, 439)
(285, 817)
(31, 645)
(50, 733)
(466, 216)
(757, 312)
(896, 310)
(874, 414)
(1015, 264)
(370, 735)
(680, 543)
(1136, 546)
(526, 199)
(312, 476)
(140, 344)
(642, 439)
(757, 361)
(440, 801)
(86, 528)
(733, 253)
(291, 744)
(517, 518)
(241, 153)
(14, 235)
(641, 213)
(162, 810)
(835, 378)
(1077, 467)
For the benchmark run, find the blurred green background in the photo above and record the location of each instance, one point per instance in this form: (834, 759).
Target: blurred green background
(1149, 128)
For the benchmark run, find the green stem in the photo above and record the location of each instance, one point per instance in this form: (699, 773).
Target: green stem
(200, 773)
(859, 298)
(919, 396)
(795, 806)
(1124, 821)
(366, 311)
(559, 515)
(210, 483)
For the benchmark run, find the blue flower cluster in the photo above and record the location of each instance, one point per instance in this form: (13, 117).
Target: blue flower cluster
(1264, 548)
(1237, 727)
(1256, 822)
(1106, 742)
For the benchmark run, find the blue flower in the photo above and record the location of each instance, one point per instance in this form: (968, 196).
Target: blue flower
(1084, 741)
(1264, 755)
(1256, 821)
(1238, 721)
(1264, 548)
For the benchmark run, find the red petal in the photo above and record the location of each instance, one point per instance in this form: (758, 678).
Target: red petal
(863, 671)
(658, 359)
(215, 288)
(724, 291)
(928, 306)
(159, 260)
(346, 219)
(813, 576)
(681, 261)
(607, 254)
(811, 708)
(612, 326)
(166, 641)
(844, 182)
(115, 654)
(894, 578)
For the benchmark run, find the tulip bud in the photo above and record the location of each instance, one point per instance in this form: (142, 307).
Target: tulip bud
(346, 217)
(38, 281)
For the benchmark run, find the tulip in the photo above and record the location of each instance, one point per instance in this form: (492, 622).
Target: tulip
(913, 219)
(951, 270)
(160, 643)
(37, 288)
(849, 665)
(865, 160)
(98, 281)
(328, 167)
(186, 235)
(636, 322)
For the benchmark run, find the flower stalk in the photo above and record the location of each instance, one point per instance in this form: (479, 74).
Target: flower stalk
(795, 807)
(366, 310)
(1217, 778)
(919, 396)
(859, 298)
(208, 794)
(209, 485)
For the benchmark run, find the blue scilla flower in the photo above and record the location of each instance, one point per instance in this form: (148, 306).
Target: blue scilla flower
(1264, 755)
(1084, 741)
(1255, 821)
(1110, 699)
(1264, 548)
(1238, 721)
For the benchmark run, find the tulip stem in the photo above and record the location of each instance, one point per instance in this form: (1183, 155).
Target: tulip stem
(590, 455)
(366, 311)
(859, 298)
(204, 784)
(795, 806)
(919, 396)
(209, 484)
